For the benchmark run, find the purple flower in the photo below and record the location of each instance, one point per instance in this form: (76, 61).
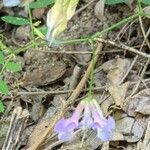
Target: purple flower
(66, 127)
(103, 126)
(92, 118)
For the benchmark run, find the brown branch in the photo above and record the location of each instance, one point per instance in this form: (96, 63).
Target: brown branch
(122, 46)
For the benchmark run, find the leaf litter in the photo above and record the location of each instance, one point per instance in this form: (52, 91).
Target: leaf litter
(53, 72)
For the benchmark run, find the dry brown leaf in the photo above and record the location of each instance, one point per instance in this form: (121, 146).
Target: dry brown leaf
(140, 103)
(99, 9)
(115, 75)
(105, 105)
(118, 93)
(116, 69)
(131, 129)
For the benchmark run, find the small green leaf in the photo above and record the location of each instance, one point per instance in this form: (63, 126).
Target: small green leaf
(2, 58)
(38, 33)
(1, 106)
(3, 87)
(41, 3)
(15, 20)
(43, 30)
(147, 2)
(113, 2)
(14, 67)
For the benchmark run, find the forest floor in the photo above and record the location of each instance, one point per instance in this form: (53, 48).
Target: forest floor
(53, 80)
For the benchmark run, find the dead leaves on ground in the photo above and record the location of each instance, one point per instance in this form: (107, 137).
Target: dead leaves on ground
(130, 112)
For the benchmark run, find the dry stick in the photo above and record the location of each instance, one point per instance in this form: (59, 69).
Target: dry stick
(70, 91)
(84, 79)
(122, 46)
(57, 92)
(84, 7)
(74, 52)
(143, 32)
(17, 124)
(135, 59)
(137, 85)
(142, 74)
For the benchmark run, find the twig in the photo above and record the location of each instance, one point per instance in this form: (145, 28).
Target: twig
(84, 7)
(80, 52)
(141, 76)
(122, 46)
(84, 79)
(70, 91)
(143, 32)
(17, 124)
(135, 59)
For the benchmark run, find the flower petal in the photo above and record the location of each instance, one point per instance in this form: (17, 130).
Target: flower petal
(65, 136)
(60, 125)
(104, 134)
(87, 120)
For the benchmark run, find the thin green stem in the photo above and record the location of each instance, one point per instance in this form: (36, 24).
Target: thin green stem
(32, 27)
(129, 19)
(91, 81)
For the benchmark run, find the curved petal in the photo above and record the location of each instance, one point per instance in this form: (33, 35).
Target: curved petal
(87, 120)
(104, 134)
(65, 136)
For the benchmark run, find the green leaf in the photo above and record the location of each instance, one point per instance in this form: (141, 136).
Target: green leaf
(15, 20)
(38, 33)
(43, 30)
(41, 3)
(147, 2)
(14, 67)
(113, 2)
(1, 106)
(3, 87)
(2, 58)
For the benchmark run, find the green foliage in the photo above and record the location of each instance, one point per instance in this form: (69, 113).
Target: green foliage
(3, 87)
(1, 106)
(15, 20)
(2, 58)
(6, 65)
(43, 30)
(41, 3)
(147, 2)
(113, 2)
(13, 67)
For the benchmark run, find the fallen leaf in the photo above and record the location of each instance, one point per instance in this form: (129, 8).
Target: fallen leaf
(99, 9)
(118, 93)
(130, 128)
(140, 103)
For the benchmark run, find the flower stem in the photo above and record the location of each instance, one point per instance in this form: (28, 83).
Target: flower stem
(91, 80)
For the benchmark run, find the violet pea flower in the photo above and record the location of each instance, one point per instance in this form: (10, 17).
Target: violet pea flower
(66, 127)
(92, 119)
